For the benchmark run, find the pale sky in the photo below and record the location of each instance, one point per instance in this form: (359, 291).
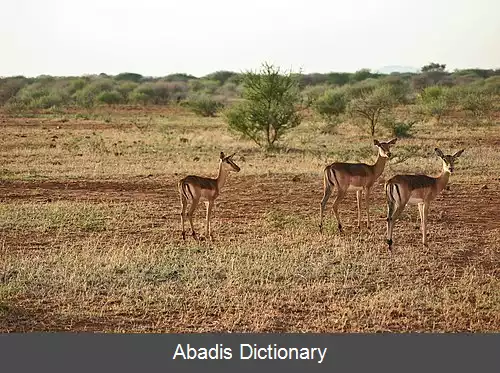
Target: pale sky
(161, 37)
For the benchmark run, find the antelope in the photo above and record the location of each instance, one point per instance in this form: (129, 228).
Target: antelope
(193, 188)
(416, 189)
(353, 176)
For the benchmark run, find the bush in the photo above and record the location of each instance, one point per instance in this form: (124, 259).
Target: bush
(9, 87)
(436, 101)
(331, 103)
(477, 102)
(400, 129)
(363, 88)
(159, 93)
(132, 77)
(372, 105)
(204, 105)
(270, 106)
(87, 96)
(109, 97)
(312, 92)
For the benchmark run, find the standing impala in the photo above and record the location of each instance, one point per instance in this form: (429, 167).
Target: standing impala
(417, 190)
(353, 176)
(192, 188)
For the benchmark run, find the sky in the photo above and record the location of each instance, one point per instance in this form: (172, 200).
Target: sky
(161, 37)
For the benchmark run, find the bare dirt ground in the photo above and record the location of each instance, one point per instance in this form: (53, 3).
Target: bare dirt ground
(268, 269)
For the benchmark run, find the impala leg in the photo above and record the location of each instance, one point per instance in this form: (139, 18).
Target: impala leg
(183, 215)
(340, 196)
(393, 212)
(420, 215)
(210, 206)
(327, 192)
(358, 199)
(194, 204)
(425, 212)
(367, 203)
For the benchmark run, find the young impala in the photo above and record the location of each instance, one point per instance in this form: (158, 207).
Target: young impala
(353, 176)
(416, 189)
(193, 188)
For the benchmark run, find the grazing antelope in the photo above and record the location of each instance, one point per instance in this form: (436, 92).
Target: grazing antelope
(353, 176)
(192, 188)
(416, 190)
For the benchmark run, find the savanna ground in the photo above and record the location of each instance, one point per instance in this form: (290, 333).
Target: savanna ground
(90, 230)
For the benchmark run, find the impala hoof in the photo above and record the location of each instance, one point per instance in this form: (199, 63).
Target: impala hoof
(389, 243)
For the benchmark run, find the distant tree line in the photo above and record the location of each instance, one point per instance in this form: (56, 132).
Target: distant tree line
(362, 94)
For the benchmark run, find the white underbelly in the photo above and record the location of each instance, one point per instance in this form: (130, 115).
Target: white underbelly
(353, 187)
(415, 201)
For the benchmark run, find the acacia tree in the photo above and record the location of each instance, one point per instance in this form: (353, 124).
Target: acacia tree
(269, 108)
(372, 105)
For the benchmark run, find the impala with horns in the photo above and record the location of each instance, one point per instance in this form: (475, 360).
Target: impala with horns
(193, 188)
(418, 190)
(353, 176)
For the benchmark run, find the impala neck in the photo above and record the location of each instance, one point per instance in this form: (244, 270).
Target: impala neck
(379, 165)
(442, 180)
(221, 177)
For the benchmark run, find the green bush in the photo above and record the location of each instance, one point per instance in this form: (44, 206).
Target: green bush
(109, 97)
(269, 108)
(331, 103)
(372, 105)
(159, 93)
(204, 105)
(311, 93)
(131, 77)
(400, 129)
(436, 101)
(88, 95)
(9, 87)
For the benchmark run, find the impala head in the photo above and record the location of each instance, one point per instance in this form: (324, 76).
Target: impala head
(228, 163)
(384, 147)
(449, 160)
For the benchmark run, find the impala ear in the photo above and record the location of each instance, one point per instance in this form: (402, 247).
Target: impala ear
(458, 154)
(375, 142)
(222, 155)
(439, 152)
(393, 141)
(232, 155)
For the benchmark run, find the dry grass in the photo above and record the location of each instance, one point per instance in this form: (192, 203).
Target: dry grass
(90, 235)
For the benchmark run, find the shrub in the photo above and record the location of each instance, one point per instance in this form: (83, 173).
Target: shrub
(436, 102)
(331, 103)
(400, 129)
(132, 77)
(476, 101)
(204, 105)
(270, 106)
(125, 88)
(159, 93)
(220, 76)
(372, 105)
(9, 87)
(311, 93)
(363, 88)
(109, 97)
(87, 97)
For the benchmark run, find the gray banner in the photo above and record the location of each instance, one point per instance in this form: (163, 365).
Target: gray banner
(59, 352)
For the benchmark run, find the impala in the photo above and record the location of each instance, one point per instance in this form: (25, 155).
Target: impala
(416, 190)
(193, 188)
(353, 176)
